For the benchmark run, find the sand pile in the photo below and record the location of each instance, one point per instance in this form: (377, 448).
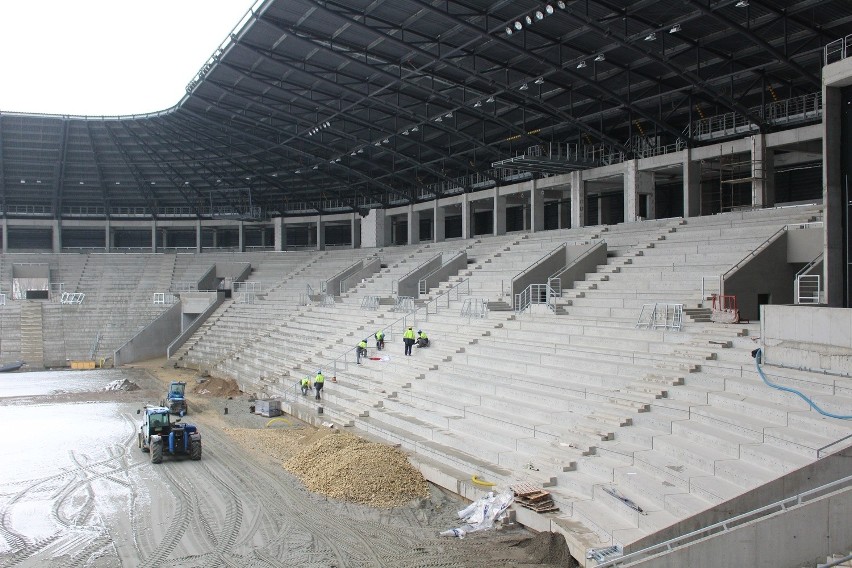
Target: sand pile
(121, 385)
(279, 443)
(214, 386)
(343, 466)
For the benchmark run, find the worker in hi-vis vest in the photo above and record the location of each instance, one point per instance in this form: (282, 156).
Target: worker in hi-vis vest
(319, 380)
(408, 339)
(422, 338)
(306, 385)
(362, 350)
(380, 340)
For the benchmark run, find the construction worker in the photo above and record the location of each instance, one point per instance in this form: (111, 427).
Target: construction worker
(380, 340)
(306, 385)
(361, 350)
(319, 380)
(422, 339)
(408, 339)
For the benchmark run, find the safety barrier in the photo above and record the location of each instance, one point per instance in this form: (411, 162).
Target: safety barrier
(403, 304)
(474, 308)
(370, 303)
(660, 316)
(72, 298)
(164, 298)
(535, 294)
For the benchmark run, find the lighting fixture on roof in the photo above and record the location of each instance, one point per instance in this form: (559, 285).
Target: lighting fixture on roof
(519, 26)
(297, 172)
(415, 129)
(539, 15)
(582, 64)
(539, 81)
(600, 57)
(186, 183)
(508, 30)
(651, 36)
(377, 144)
(218, 181)
(449, 115)
(337, 159)
(523, 87)
(405, 132)
(489, 100)
(275, 175)
(38, 181)
(315, 167)
(548, 9)
(360, 150)
(439, 119)
(118, 183)
(82, 183)
(386, 141)
(248, 177)
(152, 183)
(352, 154)
(23, 181)
(675, 29)
(742, 4)
(477, 104)
(528, 20)
(561, 4)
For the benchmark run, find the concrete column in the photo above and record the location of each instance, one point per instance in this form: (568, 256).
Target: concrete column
(280, 233)
(320, 233)
(601, 217)
(465, 215)
(215, 238)
(153, 235)
(578, 200)
(691, 186)
(241, 237)
(762, 173)
(833, 199)
(645, 188)
(413, 226)
(536, 208)
(56, 230)
(263, 237)
(439, 221)
(355, 230)
(198, 236)
(107, 236)
(631, 197)
(5, 237)
(499, 220)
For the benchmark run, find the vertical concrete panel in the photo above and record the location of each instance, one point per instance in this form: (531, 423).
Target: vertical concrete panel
(241, 237)
(536, 208)
(578, 200)
(631, 190)
(153, 235)
(691, 186)
(355, 230)
(832, 197)
(320, 233)
(5, 237)
(439, 231)
(465, 216)
(413, 226)
(373, 231)
(499, 222)
(107, 236)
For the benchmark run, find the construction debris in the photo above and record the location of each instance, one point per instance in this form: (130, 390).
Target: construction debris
(534, 498)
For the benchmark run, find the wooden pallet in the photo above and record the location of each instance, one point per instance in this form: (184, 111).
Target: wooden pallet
(533, 498)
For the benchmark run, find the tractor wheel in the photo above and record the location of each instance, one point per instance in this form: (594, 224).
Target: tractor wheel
(142, 446)
(157, 452)
(195, 450)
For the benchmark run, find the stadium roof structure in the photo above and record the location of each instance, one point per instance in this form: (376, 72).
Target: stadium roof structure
(341, 105)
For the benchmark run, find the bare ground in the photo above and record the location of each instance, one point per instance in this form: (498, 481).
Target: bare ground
(236, 507)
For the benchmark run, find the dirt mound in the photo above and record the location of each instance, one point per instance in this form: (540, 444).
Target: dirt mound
(214, 386)
(121, 385)
(343, 466)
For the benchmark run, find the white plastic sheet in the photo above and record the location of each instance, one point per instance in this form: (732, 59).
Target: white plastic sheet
(482, 513)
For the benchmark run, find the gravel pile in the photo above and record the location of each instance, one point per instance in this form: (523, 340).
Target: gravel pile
(214, 386)
(343, 466)
(121, 385)
(278, 443)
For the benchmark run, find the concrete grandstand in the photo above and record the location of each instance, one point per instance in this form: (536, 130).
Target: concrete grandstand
(596, 257)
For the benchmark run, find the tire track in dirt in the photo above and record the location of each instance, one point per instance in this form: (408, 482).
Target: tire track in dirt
(181, 519)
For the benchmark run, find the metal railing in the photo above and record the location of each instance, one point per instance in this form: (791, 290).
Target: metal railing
(422, 283)
(534, 294)
(710, 284)
(2, 299)
(808, 288)
(72, 298)
(474, 308)
(327, 301)
(730, 524)
(838, 50)
(370, 303)
(164, 298)
(555, 285)
(660, 316)
(403, 304)
(796, 109)
(56, 290)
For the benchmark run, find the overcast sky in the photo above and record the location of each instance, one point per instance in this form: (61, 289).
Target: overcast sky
(107, 57)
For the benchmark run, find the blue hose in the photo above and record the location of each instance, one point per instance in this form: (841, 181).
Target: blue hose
(757, 358)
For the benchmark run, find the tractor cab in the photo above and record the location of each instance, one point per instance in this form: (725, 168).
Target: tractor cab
(159, 435)
(175, 398)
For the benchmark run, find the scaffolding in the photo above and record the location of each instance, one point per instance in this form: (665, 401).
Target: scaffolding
(736, 175)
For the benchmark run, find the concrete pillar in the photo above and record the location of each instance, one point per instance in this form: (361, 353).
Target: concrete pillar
(631, 204)
(499, 220)
(198, 236)
(107, 236)
(466, 216)
(5, 237)
(56, 231)
(320, 233)
(833, 198)
(215, 238)
(691, 186)
(439, 221)
(355, 230)
(578, 200)
(601, 217)
(280, 233)
(762, 173)
(241, 237)
(413, 226)
(646, 189)
(263, 237)
(536, 208)
(153, 235)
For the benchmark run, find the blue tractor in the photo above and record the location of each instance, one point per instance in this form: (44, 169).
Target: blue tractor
(159, 435)
(175, 399)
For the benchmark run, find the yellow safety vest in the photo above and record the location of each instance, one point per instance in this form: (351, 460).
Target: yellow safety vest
(363, 345)
(409, 334)
(319, 378)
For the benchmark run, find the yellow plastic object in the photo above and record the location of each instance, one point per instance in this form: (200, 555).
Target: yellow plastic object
(279, 418)
(82, 365)
(478, 481)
